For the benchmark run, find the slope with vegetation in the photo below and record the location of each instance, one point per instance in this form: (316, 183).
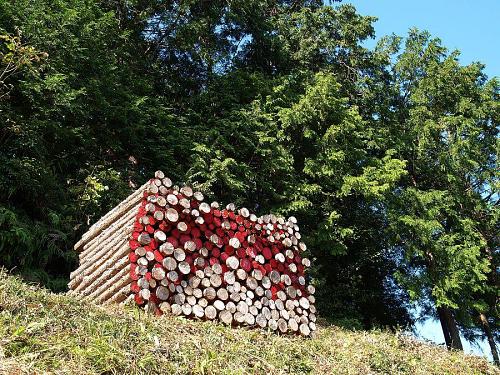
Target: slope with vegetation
(387, 156)
(45, 332)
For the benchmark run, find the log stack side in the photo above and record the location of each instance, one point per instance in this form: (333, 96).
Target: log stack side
(172, 252)
(104, 272)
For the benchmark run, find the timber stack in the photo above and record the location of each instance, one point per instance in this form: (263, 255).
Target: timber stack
(168, 250)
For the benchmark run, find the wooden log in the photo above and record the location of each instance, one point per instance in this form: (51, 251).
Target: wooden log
(253, 310)
(268, 293)
(261, 320)
(184, 203)
(176, 309)
(182, 226)
(304, 329)
(209, 293)
(111, 216)
(249, 319)
(120, 296)
(162, 293)
(184, 268)
(219, 305)
(232, 262)
(282, 325)
(186, 309)
(217, 268)
(272, 324)
(172, 215)
(99, 255)
(222, 294)
(241, 274)
(215, 280)
(179, 254)
(167, 182)
(235, 296)
(280, 257)
(229, 277)
(145, 294)
(234, 242)
(194, 282)
(167, 248)
(304, 303)
(114, 267)
(190, 246)
(198, 311)
(197, 292)
(285, 279)
(99, 267)
(109, 279)
(187, 191)
(127, 221)
(204, 208)
(144, 238)
(257, 274)
(210, 312)
(266, 282)
(160, 236)
(108, 293)
(266, 312)
(205, 282)
(275, 314)
(274, 276)
(239, 317)
(226, 317)
(281, 295)
(251, 283)
(169, 263)
(208, 271)
(172, 200)
(165, 307)
(187, 289)
(242, 307)
(250, 294)
(236, 287)
(279, 304)
(284, 314)
(179, 299)
(293, 325)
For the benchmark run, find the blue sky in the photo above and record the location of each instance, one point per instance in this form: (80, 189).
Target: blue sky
(473, 27)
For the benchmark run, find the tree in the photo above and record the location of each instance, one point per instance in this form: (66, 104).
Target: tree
(447, 122)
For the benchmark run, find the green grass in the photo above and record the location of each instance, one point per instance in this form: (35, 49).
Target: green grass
(42, 332)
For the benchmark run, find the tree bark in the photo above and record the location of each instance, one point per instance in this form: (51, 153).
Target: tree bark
(450, 329)
(489, 335)
(444, 327)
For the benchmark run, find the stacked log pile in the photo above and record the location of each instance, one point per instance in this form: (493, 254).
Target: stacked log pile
(172, 252)
(103, 274)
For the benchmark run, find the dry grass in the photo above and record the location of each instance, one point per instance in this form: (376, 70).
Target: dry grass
(41, 332)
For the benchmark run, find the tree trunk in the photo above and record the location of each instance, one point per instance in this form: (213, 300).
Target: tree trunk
(450, 329)
(444, 327)
(489, 335)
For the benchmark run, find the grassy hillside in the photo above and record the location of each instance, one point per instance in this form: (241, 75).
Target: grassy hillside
(44, 332)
